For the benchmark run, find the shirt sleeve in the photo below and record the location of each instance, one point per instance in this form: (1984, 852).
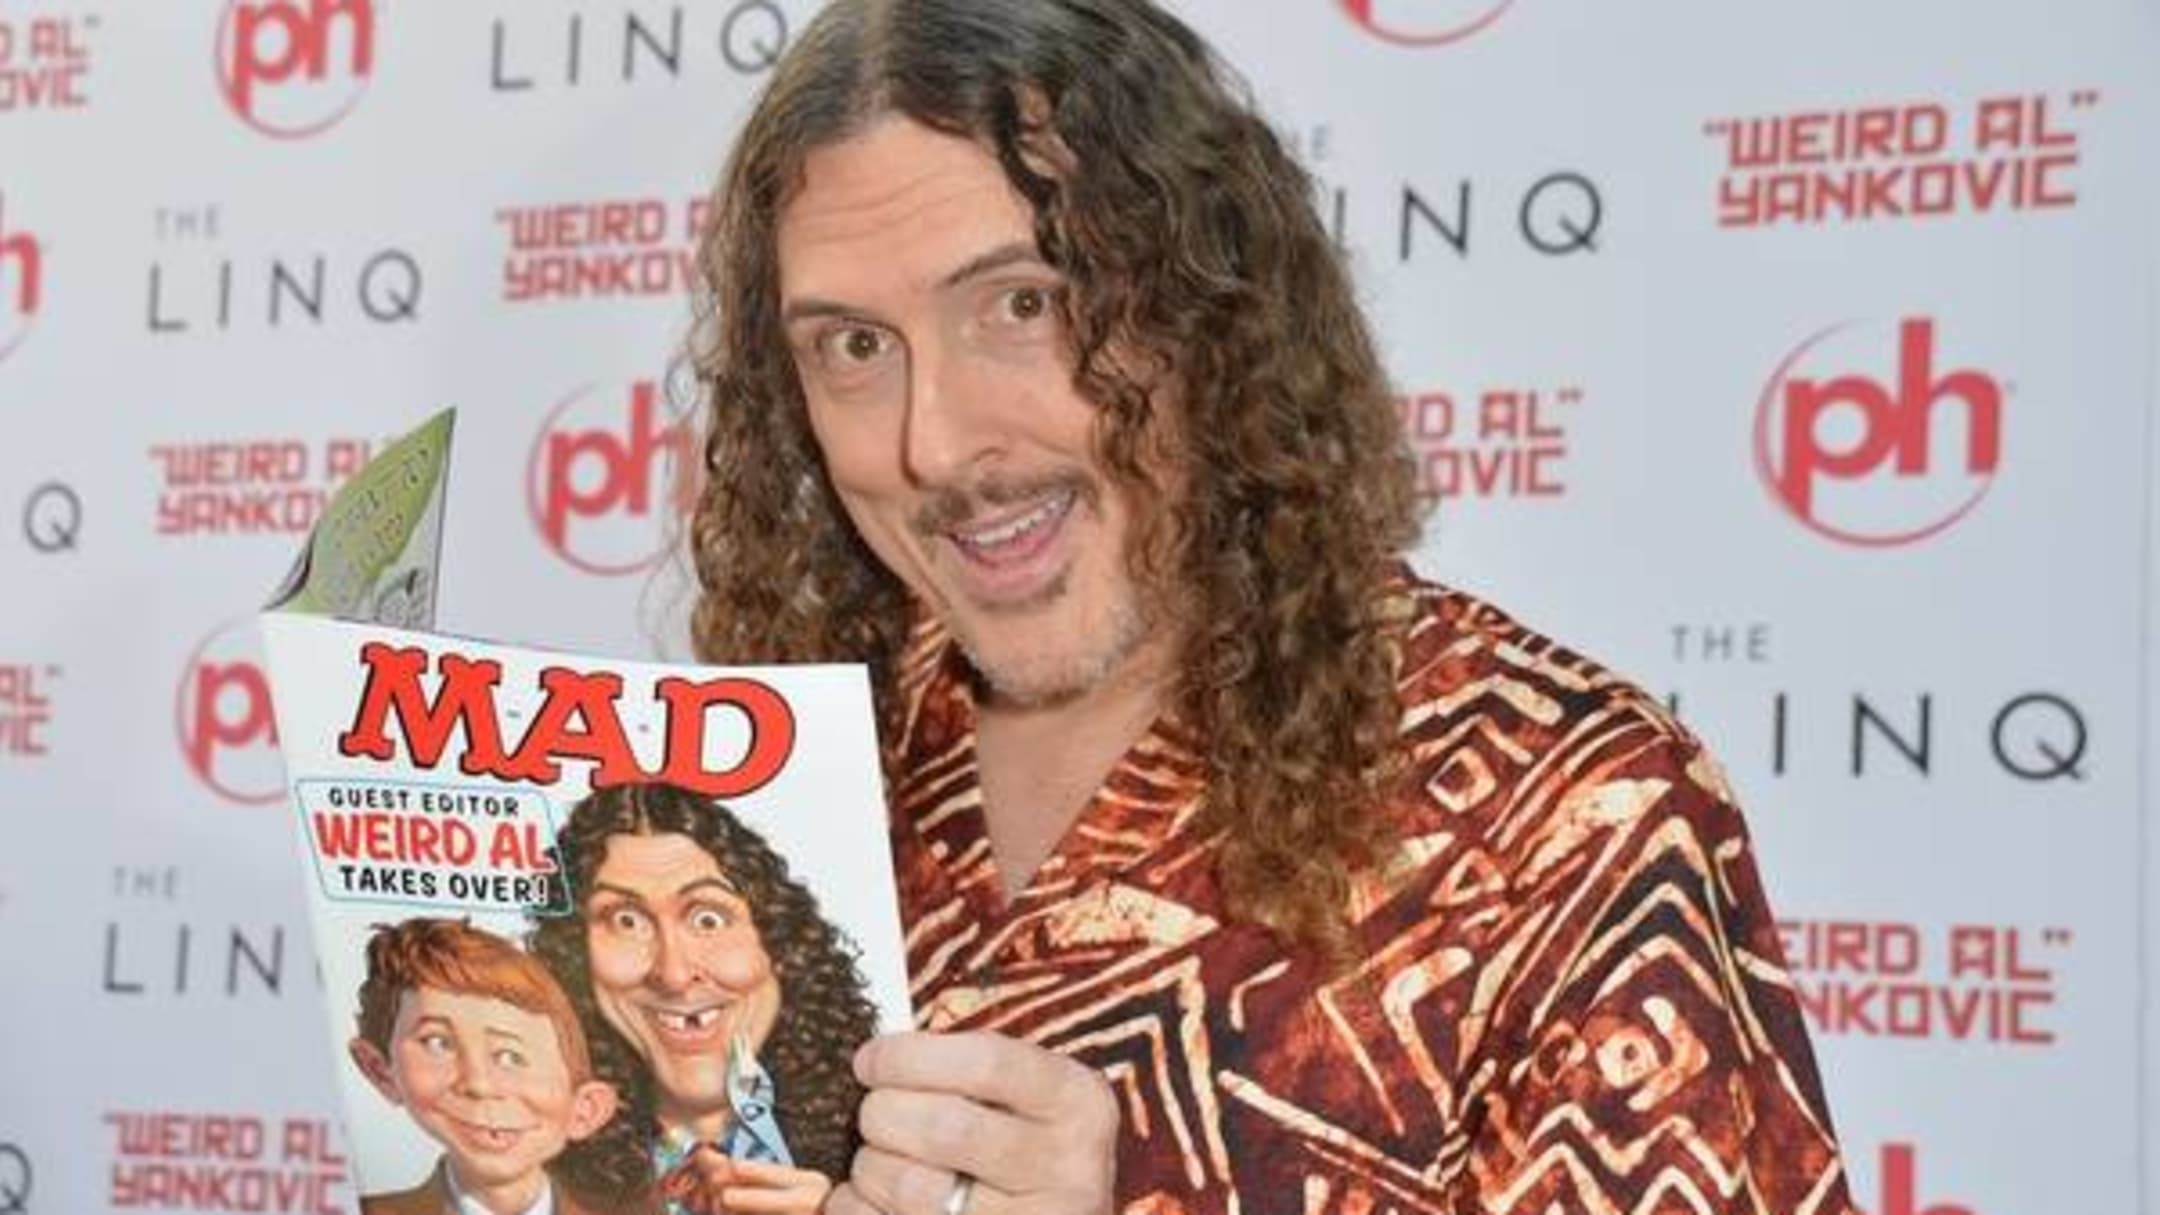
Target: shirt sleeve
(1650, 1054)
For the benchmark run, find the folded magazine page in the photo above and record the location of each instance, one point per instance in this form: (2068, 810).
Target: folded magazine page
(595, 935)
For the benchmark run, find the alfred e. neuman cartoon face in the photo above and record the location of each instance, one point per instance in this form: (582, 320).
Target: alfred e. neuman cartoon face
(487, 1080)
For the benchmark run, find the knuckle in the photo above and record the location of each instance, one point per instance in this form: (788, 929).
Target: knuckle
(874, 1115)
(1094, 1101)
(845, 1201)
(950, 1127)
(865, 1167)
(980, 1068)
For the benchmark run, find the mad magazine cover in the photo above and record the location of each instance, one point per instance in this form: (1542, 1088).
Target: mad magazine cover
(596, 935)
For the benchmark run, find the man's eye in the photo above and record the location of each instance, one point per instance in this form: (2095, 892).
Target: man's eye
(435, 1044)
(625, 920)
(509, 1057)
(1027, 303)
(709, 919)
(854, 344)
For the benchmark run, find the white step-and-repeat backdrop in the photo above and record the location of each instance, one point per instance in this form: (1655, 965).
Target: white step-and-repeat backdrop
(1800, 361)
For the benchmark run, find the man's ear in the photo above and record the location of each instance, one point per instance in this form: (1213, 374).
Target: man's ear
(370, 1060)
(592, 1105)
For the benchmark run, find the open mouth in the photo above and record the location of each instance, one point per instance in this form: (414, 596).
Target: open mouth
(1018, 537)
(688, 1028)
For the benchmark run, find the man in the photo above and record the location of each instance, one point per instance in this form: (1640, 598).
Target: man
(718, 1000)
(1242, 871)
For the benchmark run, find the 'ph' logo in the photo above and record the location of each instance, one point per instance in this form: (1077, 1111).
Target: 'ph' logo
(22, 274)
(593, 493)
(221, 715)
(1901, 1186)
(290, 68)
(1425, 22)
(1864, 459)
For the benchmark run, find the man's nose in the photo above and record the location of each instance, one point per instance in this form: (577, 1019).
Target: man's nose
(949, 429)
(671, 969)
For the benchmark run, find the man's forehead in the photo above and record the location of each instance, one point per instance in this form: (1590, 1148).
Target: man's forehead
(661, 864)
(896, 205)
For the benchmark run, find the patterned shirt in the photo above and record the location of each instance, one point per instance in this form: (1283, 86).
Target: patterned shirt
(1569, 995)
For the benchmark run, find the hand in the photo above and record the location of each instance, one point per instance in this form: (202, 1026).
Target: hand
(1037, 1131)
(715, 1184)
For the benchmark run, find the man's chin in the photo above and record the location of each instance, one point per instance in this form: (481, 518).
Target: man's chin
(687, 1095)
(1051, 665)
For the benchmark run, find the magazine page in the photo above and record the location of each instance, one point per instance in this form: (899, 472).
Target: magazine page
(375, 552)
(595, 935)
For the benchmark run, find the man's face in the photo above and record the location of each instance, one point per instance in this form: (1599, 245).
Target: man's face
(925, 329)
(677, 966)
(488, 1081)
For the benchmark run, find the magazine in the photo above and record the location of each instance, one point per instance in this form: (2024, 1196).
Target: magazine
(595, 932)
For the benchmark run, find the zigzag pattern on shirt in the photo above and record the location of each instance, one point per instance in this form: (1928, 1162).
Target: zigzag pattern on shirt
(1567, 996)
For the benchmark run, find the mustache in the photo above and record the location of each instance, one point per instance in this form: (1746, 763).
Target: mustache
(954, 506)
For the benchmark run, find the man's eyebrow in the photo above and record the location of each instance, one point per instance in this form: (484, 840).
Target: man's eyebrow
(716, 883)
(996, 259)
(1010, 253)
(811, 308)
(513, 1035)
(687, 888)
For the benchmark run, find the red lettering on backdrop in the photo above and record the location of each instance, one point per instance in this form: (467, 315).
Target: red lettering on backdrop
(1919, 160)
(175, 1161)
(1962, 983)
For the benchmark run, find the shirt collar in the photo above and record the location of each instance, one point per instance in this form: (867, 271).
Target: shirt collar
(466, 1204)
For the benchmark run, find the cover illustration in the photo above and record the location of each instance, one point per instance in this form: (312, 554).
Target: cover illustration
(596, 935)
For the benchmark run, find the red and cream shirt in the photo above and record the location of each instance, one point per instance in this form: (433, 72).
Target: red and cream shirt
(1569, 994)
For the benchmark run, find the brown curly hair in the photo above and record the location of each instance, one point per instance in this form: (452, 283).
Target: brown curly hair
(825, 1007)
(1194, 260)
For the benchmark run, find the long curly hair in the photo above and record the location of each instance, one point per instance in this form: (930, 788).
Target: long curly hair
(825, 1009)
(1195, 262)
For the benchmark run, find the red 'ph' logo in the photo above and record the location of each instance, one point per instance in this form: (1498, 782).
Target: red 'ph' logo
(1425, 22)
(604, 494)
(1865, 459)
(22, 274)
(221, 715)
(292, 68)
(1901, 1186)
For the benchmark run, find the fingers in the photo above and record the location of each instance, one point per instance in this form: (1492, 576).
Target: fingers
(715, 1168)
(752, 1187)
(771, 1173)
(1034, 1128)
(896, 1185)
(991, 1068)
(847, 1200)
(800, 1192)
(955, 1133)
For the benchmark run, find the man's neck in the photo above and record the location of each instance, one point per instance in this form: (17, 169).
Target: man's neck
(703, 1126)
(1040, 765)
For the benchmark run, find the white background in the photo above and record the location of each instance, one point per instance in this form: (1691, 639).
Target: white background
(1668, 331)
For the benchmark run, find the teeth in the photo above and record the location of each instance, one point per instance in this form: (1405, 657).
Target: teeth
(1007, 532)
(689, 1022)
